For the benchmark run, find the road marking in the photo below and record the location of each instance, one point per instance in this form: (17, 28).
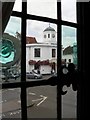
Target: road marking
(11, 89)
(3, 101)
(19, 101)
(42, 99)
(14, 113)
(31, 93)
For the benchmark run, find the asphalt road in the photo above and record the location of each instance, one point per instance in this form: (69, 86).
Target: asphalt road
(44, 99)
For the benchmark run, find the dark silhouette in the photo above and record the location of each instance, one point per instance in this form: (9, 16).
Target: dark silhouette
(67, 76)
(73, 77)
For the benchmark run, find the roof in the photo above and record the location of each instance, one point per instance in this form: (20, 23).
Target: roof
(68, 50)
(30, 40)
(49, 29)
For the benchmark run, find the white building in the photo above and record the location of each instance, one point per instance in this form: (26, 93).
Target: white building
(68, 55)
(42, 56)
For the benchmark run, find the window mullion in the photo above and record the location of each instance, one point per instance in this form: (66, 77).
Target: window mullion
(58, 60)
(23, 62)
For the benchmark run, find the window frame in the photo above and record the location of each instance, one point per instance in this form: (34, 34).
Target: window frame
(23, 84)
(37, 52)
(48, 35)
(53, 53)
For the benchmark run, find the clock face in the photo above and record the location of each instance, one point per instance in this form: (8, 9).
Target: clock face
(53, 36)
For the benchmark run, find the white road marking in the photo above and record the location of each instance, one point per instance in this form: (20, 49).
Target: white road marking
(11, 89)
(3, 101)
(31, 93)
(42, 99)
(19, 101)
(37, 100)
(14, 113)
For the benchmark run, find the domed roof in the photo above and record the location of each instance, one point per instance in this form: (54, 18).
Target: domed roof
(49, 29)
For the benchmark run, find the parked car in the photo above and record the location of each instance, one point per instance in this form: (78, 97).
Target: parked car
(32, 75)
(2, 76)
(13, 76)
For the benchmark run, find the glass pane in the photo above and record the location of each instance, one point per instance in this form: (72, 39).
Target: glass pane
(41, 50)
(68, 8)
(42, 102)
(10, 53)
(11, 104)
(69, 55)
(45, 8)
(17, 5)
(41, 63)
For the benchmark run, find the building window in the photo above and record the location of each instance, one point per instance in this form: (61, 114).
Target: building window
(65, 60)
(37, 52)
(53, 52)
(44, 36)
(69, 60)
(48, 35)
(53, 35)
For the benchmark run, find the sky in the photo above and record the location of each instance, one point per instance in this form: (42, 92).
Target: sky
(46, 8)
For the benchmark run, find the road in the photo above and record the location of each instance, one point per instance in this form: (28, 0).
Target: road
(44, 99)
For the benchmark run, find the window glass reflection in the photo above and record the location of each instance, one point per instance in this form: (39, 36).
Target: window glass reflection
(10, 53)
(69, 45)
(69, 55)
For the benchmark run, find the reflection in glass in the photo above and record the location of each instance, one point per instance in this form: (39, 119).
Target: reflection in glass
(69, 45)
(45, 8)
(10, 53)
(68, 8)
(41, 49)
(7, 52)
(69, 55)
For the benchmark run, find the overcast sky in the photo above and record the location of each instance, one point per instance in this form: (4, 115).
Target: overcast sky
(46, 8)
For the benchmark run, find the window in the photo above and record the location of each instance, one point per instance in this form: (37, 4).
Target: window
(53, 17)
(53, 36)
(44, 36)
(69, 60)
(53, 52)
(48, 35)
(37, 52)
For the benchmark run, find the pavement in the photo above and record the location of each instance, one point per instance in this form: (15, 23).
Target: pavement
(13, 105)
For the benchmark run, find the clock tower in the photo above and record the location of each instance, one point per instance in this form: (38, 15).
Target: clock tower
(49, 35)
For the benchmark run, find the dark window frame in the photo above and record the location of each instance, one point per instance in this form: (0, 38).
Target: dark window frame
(25, 84)
(53, 53)
(37, 52)
(48, 35)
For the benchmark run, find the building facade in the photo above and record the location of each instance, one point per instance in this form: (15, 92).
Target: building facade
(42, 57)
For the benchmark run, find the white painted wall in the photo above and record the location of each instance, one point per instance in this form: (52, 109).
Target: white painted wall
(49, 40)
(67, 57)
(46, 53)
(45, 69)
